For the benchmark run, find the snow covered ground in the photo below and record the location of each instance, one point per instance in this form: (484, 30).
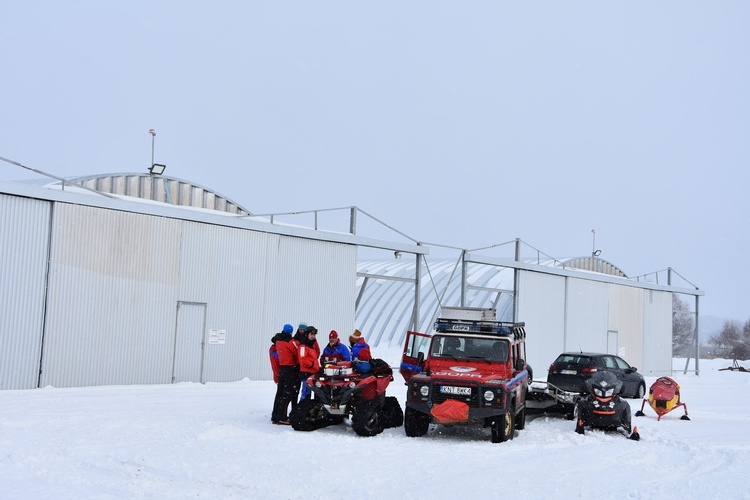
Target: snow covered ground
(216, 441)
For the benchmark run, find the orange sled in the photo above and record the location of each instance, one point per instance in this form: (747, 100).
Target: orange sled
(663, 397)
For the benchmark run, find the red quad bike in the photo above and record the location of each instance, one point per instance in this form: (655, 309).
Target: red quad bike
(339, 392)
(603, 408)
(663, 397)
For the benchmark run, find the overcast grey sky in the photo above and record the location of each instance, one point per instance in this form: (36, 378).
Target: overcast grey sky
(462, 123)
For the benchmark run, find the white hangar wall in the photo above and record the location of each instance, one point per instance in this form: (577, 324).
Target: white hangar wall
(24, 231)
(564, 313)
(93, 295)
(134, 299)
(657, 347)
(544, 315)
(586, 313)
(112, 285)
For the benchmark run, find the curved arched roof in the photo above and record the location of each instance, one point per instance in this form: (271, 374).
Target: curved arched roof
(160, 188)
(385, 306)
(595, 264)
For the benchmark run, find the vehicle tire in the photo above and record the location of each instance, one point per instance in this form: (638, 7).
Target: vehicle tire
(366, 421)
(521, 420)
(502, 427)
(391, 414)
(416, 423)
(641, 391)
(335, 419)
(308, 416)
(570, 412)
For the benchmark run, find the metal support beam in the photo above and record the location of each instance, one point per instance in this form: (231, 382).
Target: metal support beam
(417, 293)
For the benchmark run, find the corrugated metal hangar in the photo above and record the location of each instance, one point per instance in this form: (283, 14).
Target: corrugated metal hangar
(153, 280)
(564, 307)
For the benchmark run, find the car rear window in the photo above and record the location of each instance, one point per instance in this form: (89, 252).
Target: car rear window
(574, 359)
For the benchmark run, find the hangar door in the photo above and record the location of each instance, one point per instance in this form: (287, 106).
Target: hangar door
(189, 344)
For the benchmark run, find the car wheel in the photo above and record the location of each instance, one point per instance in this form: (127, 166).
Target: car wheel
(416, 423)
(502, 427)
(641, 391)
(570, 412)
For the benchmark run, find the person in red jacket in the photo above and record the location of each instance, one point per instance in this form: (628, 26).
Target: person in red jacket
(286, 349)
(308, 353)
(273, 355)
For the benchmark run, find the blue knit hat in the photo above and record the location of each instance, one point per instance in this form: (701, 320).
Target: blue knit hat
(288, 328)
(302, 326)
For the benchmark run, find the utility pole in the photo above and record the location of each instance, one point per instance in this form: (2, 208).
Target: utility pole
(153, 140)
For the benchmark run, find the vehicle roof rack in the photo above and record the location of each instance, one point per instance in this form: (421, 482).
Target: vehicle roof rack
(496, 328)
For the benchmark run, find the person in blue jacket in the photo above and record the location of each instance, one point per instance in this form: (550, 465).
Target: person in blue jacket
(361, 354)
(334, 351)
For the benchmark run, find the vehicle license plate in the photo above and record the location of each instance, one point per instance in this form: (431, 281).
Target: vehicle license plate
(568, 372)
(458, 391)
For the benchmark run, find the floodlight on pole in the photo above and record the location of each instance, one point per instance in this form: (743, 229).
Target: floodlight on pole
(155, 168)
(594, 252)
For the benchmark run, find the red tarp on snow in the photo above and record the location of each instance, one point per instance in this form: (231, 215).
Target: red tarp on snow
(451, 411)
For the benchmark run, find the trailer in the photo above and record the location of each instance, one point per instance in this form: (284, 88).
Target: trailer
(543, 396)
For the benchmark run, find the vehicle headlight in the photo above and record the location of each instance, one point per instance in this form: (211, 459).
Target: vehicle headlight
(352, 385)
(318, 384)
(489, 395)
(424, 390)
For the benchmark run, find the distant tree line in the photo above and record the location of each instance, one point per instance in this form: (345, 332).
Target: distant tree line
(732, 341)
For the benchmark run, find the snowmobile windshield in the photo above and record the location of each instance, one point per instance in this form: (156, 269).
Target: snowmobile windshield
(604, 384)
(604, 392)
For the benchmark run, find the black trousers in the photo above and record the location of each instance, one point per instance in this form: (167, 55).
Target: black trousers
(285, 392)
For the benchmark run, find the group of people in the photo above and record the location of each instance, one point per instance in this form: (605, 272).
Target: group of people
(296, 357)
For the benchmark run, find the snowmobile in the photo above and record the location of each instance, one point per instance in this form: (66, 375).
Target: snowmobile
(603, 408)
(340, 391)
(663, 397)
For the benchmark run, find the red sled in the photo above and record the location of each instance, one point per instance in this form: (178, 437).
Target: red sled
(663, 397)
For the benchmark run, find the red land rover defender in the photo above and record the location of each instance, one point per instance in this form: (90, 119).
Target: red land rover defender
(470, 370)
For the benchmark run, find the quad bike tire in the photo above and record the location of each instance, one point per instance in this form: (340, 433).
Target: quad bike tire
(335, 419)
(366, 420)
(502, 427)
(308, 416)
(391, 414)
(416, 423)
